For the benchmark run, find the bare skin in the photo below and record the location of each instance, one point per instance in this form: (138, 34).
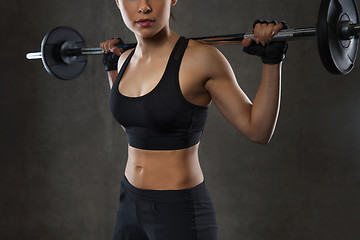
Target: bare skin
(205, 76)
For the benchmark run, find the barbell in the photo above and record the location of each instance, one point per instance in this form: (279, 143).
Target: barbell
(64, 52)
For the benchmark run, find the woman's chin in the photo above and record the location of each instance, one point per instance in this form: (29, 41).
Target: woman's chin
(147, 33)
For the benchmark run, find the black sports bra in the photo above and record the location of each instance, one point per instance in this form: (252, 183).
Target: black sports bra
(161, 119)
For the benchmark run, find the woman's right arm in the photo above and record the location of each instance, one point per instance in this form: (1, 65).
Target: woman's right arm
(112, 76)
(111, 65)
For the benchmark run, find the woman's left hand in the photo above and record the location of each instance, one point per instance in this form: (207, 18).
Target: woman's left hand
(261, 45)
(263, 33)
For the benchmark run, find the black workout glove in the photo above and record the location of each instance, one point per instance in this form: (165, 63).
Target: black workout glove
(110, 59)
(271, 53)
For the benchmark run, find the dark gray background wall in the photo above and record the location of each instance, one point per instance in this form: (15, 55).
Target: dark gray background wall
(62, 155)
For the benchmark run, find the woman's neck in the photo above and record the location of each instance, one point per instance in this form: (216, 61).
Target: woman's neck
(160, 42)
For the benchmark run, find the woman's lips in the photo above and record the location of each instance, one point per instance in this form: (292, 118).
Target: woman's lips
(146, 22)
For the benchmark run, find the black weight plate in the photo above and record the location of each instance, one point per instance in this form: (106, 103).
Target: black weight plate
(51, 54)
(337, 55)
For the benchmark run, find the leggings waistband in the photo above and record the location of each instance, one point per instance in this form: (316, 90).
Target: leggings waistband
(164, 195)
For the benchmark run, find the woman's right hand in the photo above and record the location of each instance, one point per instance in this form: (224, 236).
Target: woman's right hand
(109, 46)
(111, 53)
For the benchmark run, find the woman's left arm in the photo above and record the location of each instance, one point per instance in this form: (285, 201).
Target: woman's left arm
(256, 120)
(265, 109)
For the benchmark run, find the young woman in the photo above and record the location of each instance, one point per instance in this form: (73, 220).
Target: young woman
(160, 96)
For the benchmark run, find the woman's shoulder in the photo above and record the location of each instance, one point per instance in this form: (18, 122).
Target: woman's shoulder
(205, 55)
(123, 57)
(201, 49)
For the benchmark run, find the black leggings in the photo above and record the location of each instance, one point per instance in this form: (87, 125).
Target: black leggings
(186, 214)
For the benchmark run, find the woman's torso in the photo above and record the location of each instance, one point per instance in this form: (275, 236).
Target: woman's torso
(164, 169)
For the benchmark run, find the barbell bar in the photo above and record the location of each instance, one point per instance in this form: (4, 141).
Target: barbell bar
(64, 52)
(283, 35)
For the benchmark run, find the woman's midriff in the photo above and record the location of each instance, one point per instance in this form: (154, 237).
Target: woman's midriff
(164, 170)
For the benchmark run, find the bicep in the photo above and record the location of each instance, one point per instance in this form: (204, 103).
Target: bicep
(226, 93)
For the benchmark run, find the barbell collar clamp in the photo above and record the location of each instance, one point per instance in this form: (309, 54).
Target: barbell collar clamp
(354, 30)
(349, 30)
